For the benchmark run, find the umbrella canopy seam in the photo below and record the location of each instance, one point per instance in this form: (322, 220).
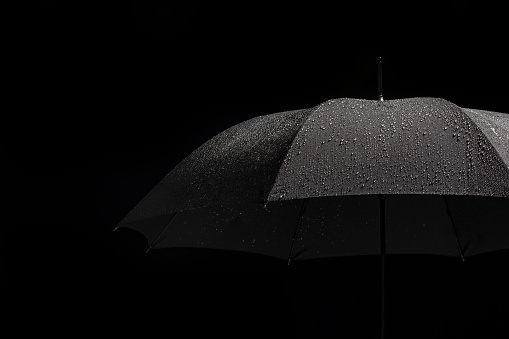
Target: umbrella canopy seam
(495, 149)
(301, 214)
(162, 231)
(313, 111)
(453, 227)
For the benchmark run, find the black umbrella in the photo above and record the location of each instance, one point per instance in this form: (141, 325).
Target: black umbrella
(347, 177)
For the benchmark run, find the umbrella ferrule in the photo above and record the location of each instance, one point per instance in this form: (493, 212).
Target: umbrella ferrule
(380, 96)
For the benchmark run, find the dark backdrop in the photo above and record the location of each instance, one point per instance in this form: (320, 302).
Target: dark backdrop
(102, 99)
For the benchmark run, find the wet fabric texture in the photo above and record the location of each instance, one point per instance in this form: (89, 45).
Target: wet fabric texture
(304, 184)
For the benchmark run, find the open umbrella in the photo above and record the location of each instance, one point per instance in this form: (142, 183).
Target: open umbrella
(346, 177)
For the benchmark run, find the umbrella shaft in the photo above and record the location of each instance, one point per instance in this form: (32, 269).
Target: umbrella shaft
(382, 313)
(381, 198)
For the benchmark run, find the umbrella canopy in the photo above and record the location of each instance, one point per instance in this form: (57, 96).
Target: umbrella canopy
(304, 184)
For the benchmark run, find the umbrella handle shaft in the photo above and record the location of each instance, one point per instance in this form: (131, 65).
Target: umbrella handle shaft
(381, 198)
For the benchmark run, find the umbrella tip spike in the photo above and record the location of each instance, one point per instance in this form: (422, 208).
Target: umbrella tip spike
(116, 228)
(148, 249)
(380, 96)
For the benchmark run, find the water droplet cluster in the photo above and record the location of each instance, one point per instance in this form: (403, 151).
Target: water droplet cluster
(406, 146)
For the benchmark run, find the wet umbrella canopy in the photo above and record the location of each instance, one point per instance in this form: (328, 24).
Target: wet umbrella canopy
(304, 184)
(348, 177)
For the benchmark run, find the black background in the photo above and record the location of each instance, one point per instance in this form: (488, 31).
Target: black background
(102, 99)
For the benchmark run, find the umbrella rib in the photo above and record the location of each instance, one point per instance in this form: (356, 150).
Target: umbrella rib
(495, 150)
(301, 213)
(312, 110)
(453, 227)
(162, 231)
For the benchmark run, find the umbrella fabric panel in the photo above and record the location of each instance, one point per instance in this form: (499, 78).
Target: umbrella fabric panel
(254, 228)
(495, 127)
(419, 224)
(237, 165)
(482, 223)
(406, 146)
(338, 226)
